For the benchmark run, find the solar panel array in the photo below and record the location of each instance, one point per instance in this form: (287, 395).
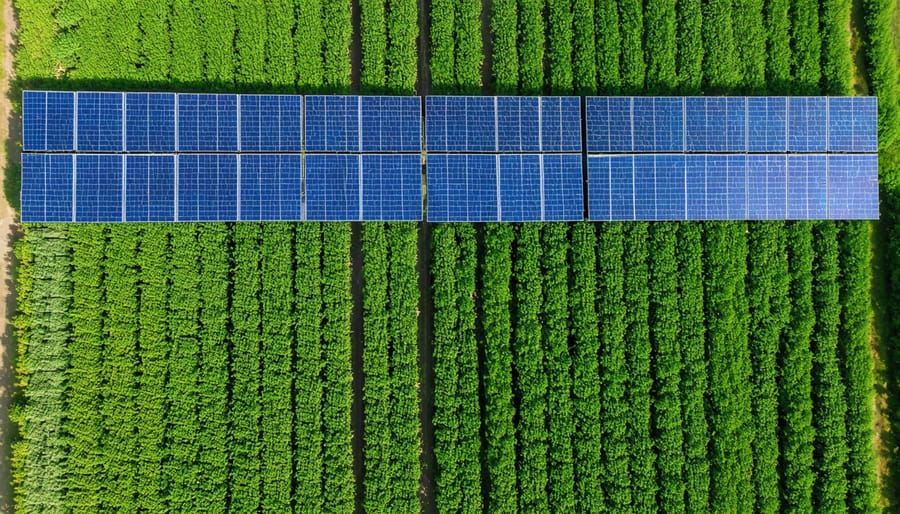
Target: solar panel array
(147, 157)
(713, 158)
(504, 158)
(105, 157)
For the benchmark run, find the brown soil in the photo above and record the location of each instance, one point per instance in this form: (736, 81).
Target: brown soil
(9, 232)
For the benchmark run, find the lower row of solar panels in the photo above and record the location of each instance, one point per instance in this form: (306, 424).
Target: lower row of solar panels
(461, 187)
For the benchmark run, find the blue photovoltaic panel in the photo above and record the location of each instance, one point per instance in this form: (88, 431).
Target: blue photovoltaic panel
(271, 123)
(207, 187)
(207, 123)
(807, 193)
(757, 194)
(462, 187)
(46, 187)
(852, 124)
(332, 124)
(560, 124)
(99, 122)
(644, 187)
(706, 124)
(460, 124)
(48, 119)
(391, 124)
(150, 188)
(598, 171)
(776, 186)
(563, 187)
(520, 187)
(332, 187)
(695, 176)
(767, 122)
(518, 125)
(608, 124)
(737, 185)
(150, 122)
(853, 186)
(658, 124)
(622, 187)
(807, 124)
(670, 187)
(392, 187)
(270, 187)
(98, 188)
(735, 124)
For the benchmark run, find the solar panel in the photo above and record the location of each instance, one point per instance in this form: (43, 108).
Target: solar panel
(560, 124)
(599, 193)
(622, 187)
(332, 124)
(391, 124)
(563, 187)
(658, 124)
(207, 187)
(852, 124)
(807, 124)
(460, 124)
(207, 123)
(270, 187)
(48, 119)
(738, 186)
(47, 187)
(271, 123)
(392, 187)
(521, 188)
(150, 188)
(852, 186)
(696, 187)
(706, 122)
(98, 188)
(609, 124)
(99, 122)
(518, 124)
(150, 122)
(670, 187)
(333, 187)
(462, 187)
(807, 191)
(767, 122)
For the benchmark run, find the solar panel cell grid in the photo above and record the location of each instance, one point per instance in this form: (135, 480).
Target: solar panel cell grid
(270, 123)
(270, 187)
(391, 124)
(333, 187)
(207, 123)
(150, 188)
(150, 122)
(767, 124)
(518, 124)
(332, 124)
(622, 185)
(738, 180)
(853, 186)
(695, 176)
(46, 187)
(392, 187)
(520, 187)
(598, 188)
(807, 124)
(561, 124)
(48, 121)
(98, 188)
(669, 187)
(99, 122)
(462, 187)
(563, 187)
(207, 187)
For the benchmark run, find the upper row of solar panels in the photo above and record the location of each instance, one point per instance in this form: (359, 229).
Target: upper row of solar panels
(731, 124)
(90, 122)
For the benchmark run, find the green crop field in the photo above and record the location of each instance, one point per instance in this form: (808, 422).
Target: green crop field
(398, 367)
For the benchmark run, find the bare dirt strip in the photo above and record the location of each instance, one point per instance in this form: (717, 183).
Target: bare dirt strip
(9, 232)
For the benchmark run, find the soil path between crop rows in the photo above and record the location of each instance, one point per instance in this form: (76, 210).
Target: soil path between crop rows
(9, 232)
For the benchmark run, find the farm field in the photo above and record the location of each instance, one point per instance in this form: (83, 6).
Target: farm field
(397, 367)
